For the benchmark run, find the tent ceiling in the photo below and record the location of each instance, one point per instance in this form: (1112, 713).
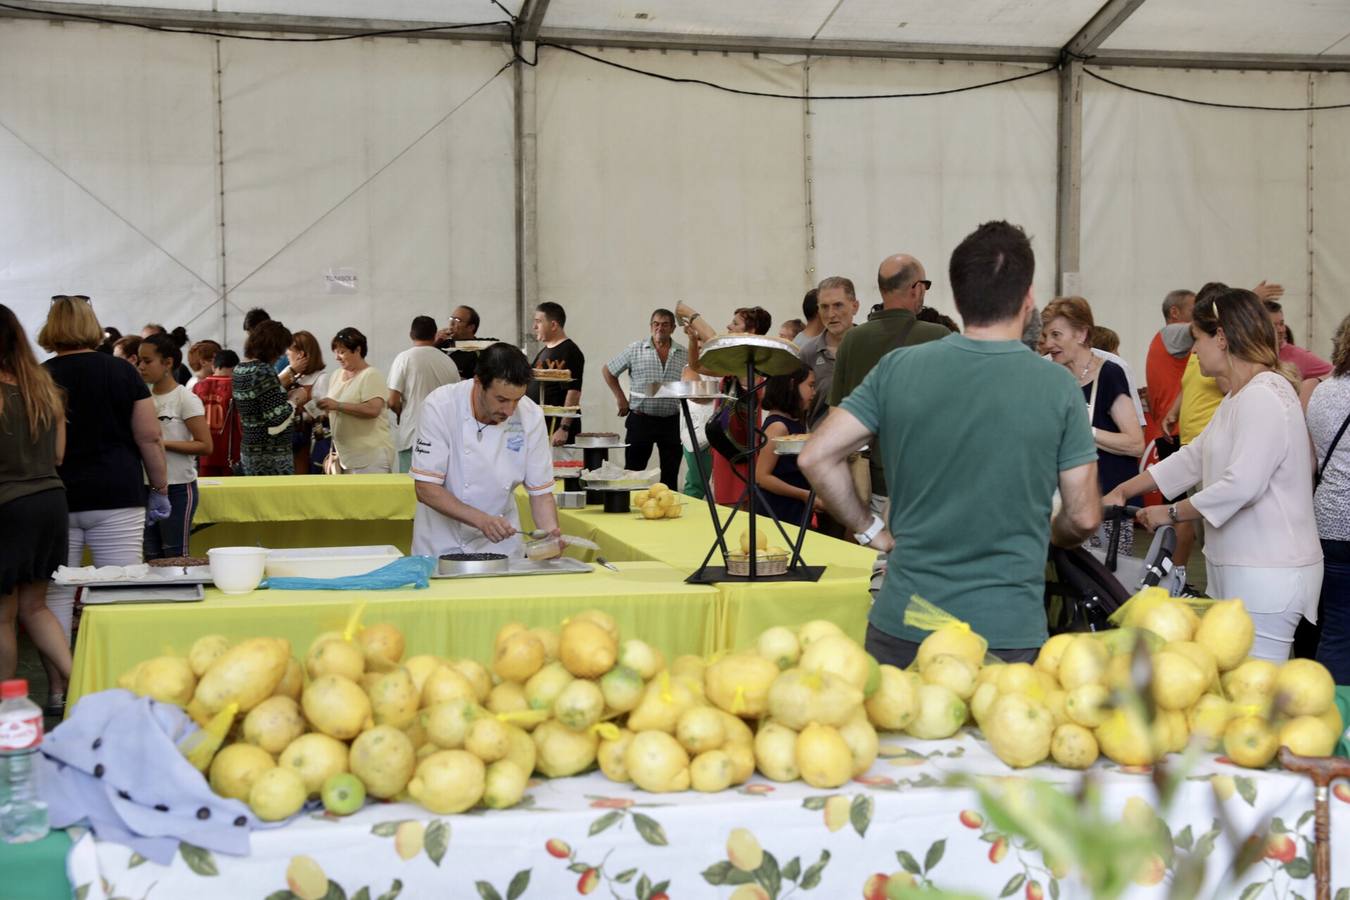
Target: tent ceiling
(1254, 33)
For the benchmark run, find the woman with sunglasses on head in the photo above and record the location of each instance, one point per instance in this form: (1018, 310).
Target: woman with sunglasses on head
(355, 403)
(1255, 465)
(182, 422)
(33, 512)
(113, 453)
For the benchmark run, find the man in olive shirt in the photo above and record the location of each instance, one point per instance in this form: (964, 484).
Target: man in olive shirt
(903, 284)
(973, 467)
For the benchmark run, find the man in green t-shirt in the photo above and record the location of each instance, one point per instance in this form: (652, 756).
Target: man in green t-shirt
(971, 467)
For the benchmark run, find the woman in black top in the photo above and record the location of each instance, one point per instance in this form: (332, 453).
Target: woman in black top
(112, 449)
(32, 499)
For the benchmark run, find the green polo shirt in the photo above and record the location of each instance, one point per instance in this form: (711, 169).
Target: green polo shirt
(859, 352)
(973, 468)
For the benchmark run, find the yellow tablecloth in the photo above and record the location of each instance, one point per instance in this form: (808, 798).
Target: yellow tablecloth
(284, 511)
(745, 609)
(450, 618)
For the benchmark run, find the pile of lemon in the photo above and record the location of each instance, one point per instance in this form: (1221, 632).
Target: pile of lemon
(1088, 694)
(658, 502)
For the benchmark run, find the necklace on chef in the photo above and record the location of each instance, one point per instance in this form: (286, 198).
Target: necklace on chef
(481, 425)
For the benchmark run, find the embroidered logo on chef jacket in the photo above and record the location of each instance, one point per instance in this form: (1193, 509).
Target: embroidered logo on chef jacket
(515, 436)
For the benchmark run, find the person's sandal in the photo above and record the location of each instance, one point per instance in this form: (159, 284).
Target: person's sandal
(56, 705)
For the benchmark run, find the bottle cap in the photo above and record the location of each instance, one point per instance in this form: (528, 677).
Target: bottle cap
(16, 687)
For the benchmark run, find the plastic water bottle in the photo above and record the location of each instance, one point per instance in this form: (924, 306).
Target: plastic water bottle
(23, 815)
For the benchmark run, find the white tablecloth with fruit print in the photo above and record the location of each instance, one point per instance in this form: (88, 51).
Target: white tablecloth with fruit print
(574, 836)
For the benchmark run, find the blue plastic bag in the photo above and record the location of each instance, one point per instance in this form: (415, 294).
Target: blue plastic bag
(403, 572)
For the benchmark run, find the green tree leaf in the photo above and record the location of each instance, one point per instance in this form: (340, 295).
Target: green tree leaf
(769, 875)
(625, 876)
(650, 829)
(660, 886)
(578, 867)
(1303, 819)
(136, 860)
(1185, 840)
(1054, 889)
(518, 884)
(1014, 884)
(1246, 787)
(1277, 826)
(487, 891)
(1341, 894)
(394, 890)
(793, 870)
(1298, 868)
(1253, 890)
(934, 855)
(335, 891)
(814, 803)
(363, 894)
(82, 891)
(282, 895)
(860, 814)
(387, 829)
(644, 888)
(436, 841)
(908, 862)
(607, 820)
(811, 877)
(198, 860)
(716, 874)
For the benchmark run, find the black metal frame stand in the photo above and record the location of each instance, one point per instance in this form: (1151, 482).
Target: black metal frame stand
(757, 442)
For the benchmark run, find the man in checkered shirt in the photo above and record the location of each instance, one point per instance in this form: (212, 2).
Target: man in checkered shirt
(650, 423)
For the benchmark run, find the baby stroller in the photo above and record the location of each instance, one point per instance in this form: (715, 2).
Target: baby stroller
(1084, 587)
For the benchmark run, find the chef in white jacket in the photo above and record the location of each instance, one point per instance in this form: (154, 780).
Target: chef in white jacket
(477, 440)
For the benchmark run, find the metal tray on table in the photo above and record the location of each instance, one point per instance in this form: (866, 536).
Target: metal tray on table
(563, 565)
(729, 354)
(680, 390)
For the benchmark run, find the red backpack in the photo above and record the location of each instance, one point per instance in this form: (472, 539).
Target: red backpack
(217, 395)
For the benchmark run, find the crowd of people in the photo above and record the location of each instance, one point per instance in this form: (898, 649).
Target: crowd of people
(956, 453)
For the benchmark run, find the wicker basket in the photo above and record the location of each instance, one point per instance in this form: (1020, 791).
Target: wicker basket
(773, 564)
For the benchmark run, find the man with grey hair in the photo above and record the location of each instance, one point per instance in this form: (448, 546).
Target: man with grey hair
(837, 302)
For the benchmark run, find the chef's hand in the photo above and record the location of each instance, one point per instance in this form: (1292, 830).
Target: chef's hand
(496, 528)
(560, 437)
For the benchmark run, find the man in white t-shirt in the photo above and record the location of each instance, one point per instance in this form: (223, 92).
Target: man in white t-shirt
(416, 372)
(476, 441)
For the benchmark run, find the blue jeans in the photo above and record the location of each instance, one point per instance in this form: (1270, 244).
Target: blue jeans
(1333, 649)
(170, 537)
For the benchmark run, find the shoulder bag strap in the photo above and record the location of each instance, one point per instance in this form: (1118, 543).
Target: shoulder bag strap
(1317, 476)
(905, 328)
(1092, 400)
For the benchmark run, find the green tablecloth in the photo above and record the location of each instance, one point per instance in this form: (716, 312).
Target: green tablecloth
(35, 871)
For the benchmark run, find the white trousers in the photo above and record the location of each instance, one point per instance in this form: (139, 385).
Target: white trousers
(115, 537)
(1275, 598)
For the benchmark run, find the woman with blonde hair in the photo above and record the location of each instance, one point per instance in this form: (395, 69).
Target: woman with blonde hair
(113, 453)
(1068, 333)
(1256, 468)
(32, 499)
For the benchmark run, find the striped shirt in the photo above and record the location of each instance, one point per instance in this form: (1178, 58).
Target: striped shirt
(643, 365)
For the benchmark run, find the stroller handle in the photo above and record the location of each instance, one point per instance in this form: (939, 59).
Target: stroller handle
(1113, 512)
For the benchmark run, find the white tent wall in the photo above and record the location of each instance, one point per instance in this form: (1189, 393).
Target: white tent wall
(651, 193)
(1176, 194)
(309, 125)
(107, 172)
(917, 175)
(1331, 213)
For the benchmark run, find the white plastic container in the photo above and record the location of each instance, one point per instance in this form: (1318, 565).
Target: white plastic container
(329, 562)
(237, 570)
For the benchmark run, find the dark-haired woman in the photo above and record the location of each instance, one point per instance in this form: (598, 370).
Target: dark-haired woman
(264, 411)
(355, 405)
(182, 422)
(33, 511)
(1256, 467)
(782, 486)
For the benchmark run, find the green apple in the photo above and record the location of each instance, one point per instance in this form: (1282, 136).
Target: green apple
(343, 794)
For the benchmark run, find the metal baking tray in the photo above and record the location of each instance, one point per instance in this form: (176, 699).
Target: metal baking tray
(156, 577)
(587, 443)
(143, 593)
(680, 390)
(563, 565)
(729, 354)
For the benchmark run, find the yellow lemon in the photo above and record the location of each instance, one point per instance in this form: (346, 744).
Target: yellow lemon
(1073, 747)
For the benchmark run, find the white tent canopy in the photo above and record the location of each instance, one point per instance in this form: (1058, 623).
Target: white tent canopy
(183, 178)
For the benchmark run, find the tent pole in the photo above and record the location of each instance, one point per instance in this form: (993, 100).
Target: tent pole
(527, 195)
(1069, 195)
(221, 265)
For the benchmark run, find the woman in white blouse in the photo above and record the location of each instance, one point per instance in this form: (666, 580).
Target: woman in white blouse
(1255, 464)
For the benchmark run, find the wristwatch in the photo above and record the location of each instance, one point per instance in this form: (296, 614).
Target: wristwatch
(867, 537)
(1172, 514)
